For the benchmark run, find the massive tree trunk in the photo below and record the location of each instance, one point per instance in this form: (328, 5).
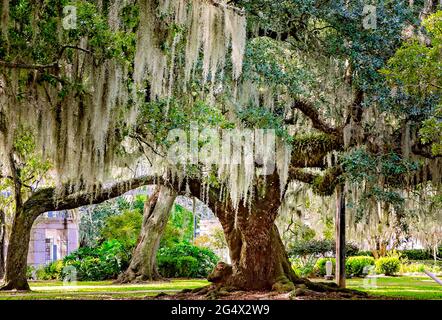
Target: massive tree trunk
(259, 259)
(143, 266)
(2, 243)
(16, 260)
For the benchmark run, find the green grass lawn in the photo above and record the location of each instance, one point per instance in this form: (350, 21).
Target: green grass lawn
(408, 287)
(99, 290)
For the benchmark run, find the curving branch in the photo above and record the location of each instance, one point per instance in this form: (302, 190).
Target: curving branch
(310, 111)
(47, 199)
(323, 184)
(55, 64)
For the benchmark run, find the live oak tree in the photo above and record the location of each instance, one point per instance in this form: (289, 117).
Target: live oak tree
(310, 72)
(306, 69)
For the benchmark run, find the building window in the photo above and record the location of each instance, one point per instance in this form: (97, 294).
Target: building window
(48, 250)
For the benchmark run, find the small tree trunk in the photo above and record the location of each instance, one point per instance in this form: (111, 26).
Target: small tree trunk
(340, 236)
(17, 255)
(157, 210)
(2, 243)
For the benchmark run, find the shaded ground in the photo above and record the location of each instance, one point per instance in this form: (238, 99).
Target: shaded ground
(100, 290)
(404, 287)
(409, 287)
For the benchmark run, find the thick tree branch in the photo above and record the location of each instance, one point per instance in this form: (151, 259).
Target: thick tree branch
(55, 64)
(16, 179)
(310, 111)
(16, 65)
(423, 151)
(322, 184)
(60, 54)
(310, 151)
(47, 200)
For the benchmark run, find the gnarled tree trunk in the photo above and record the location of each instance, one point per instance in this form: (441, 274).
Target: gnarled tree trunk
(259, 259)
(143, 266)
(17, 255)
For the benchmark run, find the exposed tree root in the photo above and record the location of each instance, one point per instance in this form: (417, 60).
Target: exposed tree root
(126, 278)
(302, 289)
(10, 285)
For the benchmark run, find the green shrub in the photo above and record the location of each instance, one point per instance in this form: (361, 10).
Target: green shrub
(388, 265)
(303, 267)
(30, 272)
(319, 248)
(99, 263)
(186, 260)
(320, 265)
(187, 266)
(124, 227)
(420, 267)
(355, 265)
(417, 254)
(412, 268)
(40, 274)
(365, 253)
(52, 271)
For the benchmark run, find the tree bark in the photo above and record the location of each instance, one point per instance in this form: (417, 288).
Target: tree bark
(16, 260)
(143, 266)
(340, 236)
(259, 260)
(2, 243)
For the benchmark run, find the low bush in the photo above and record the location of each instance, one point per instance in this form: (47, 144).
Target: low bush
(30, 272)
(365, 253)
(417, 254)
(419, 267)
(186, 260)
(388, 265)
(319, 248)
(355, 265)
(303, 267)
(99, 263)
(52, 271)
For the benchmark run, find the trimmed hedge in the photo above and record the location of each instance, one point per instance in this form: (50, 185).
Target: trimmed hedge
(388, 265)
(319, 248)
(410, 254)
(355, 265)
(417, 254)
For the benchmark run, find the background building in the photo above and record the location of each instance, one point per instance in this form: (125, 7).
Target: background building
(53, 236)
